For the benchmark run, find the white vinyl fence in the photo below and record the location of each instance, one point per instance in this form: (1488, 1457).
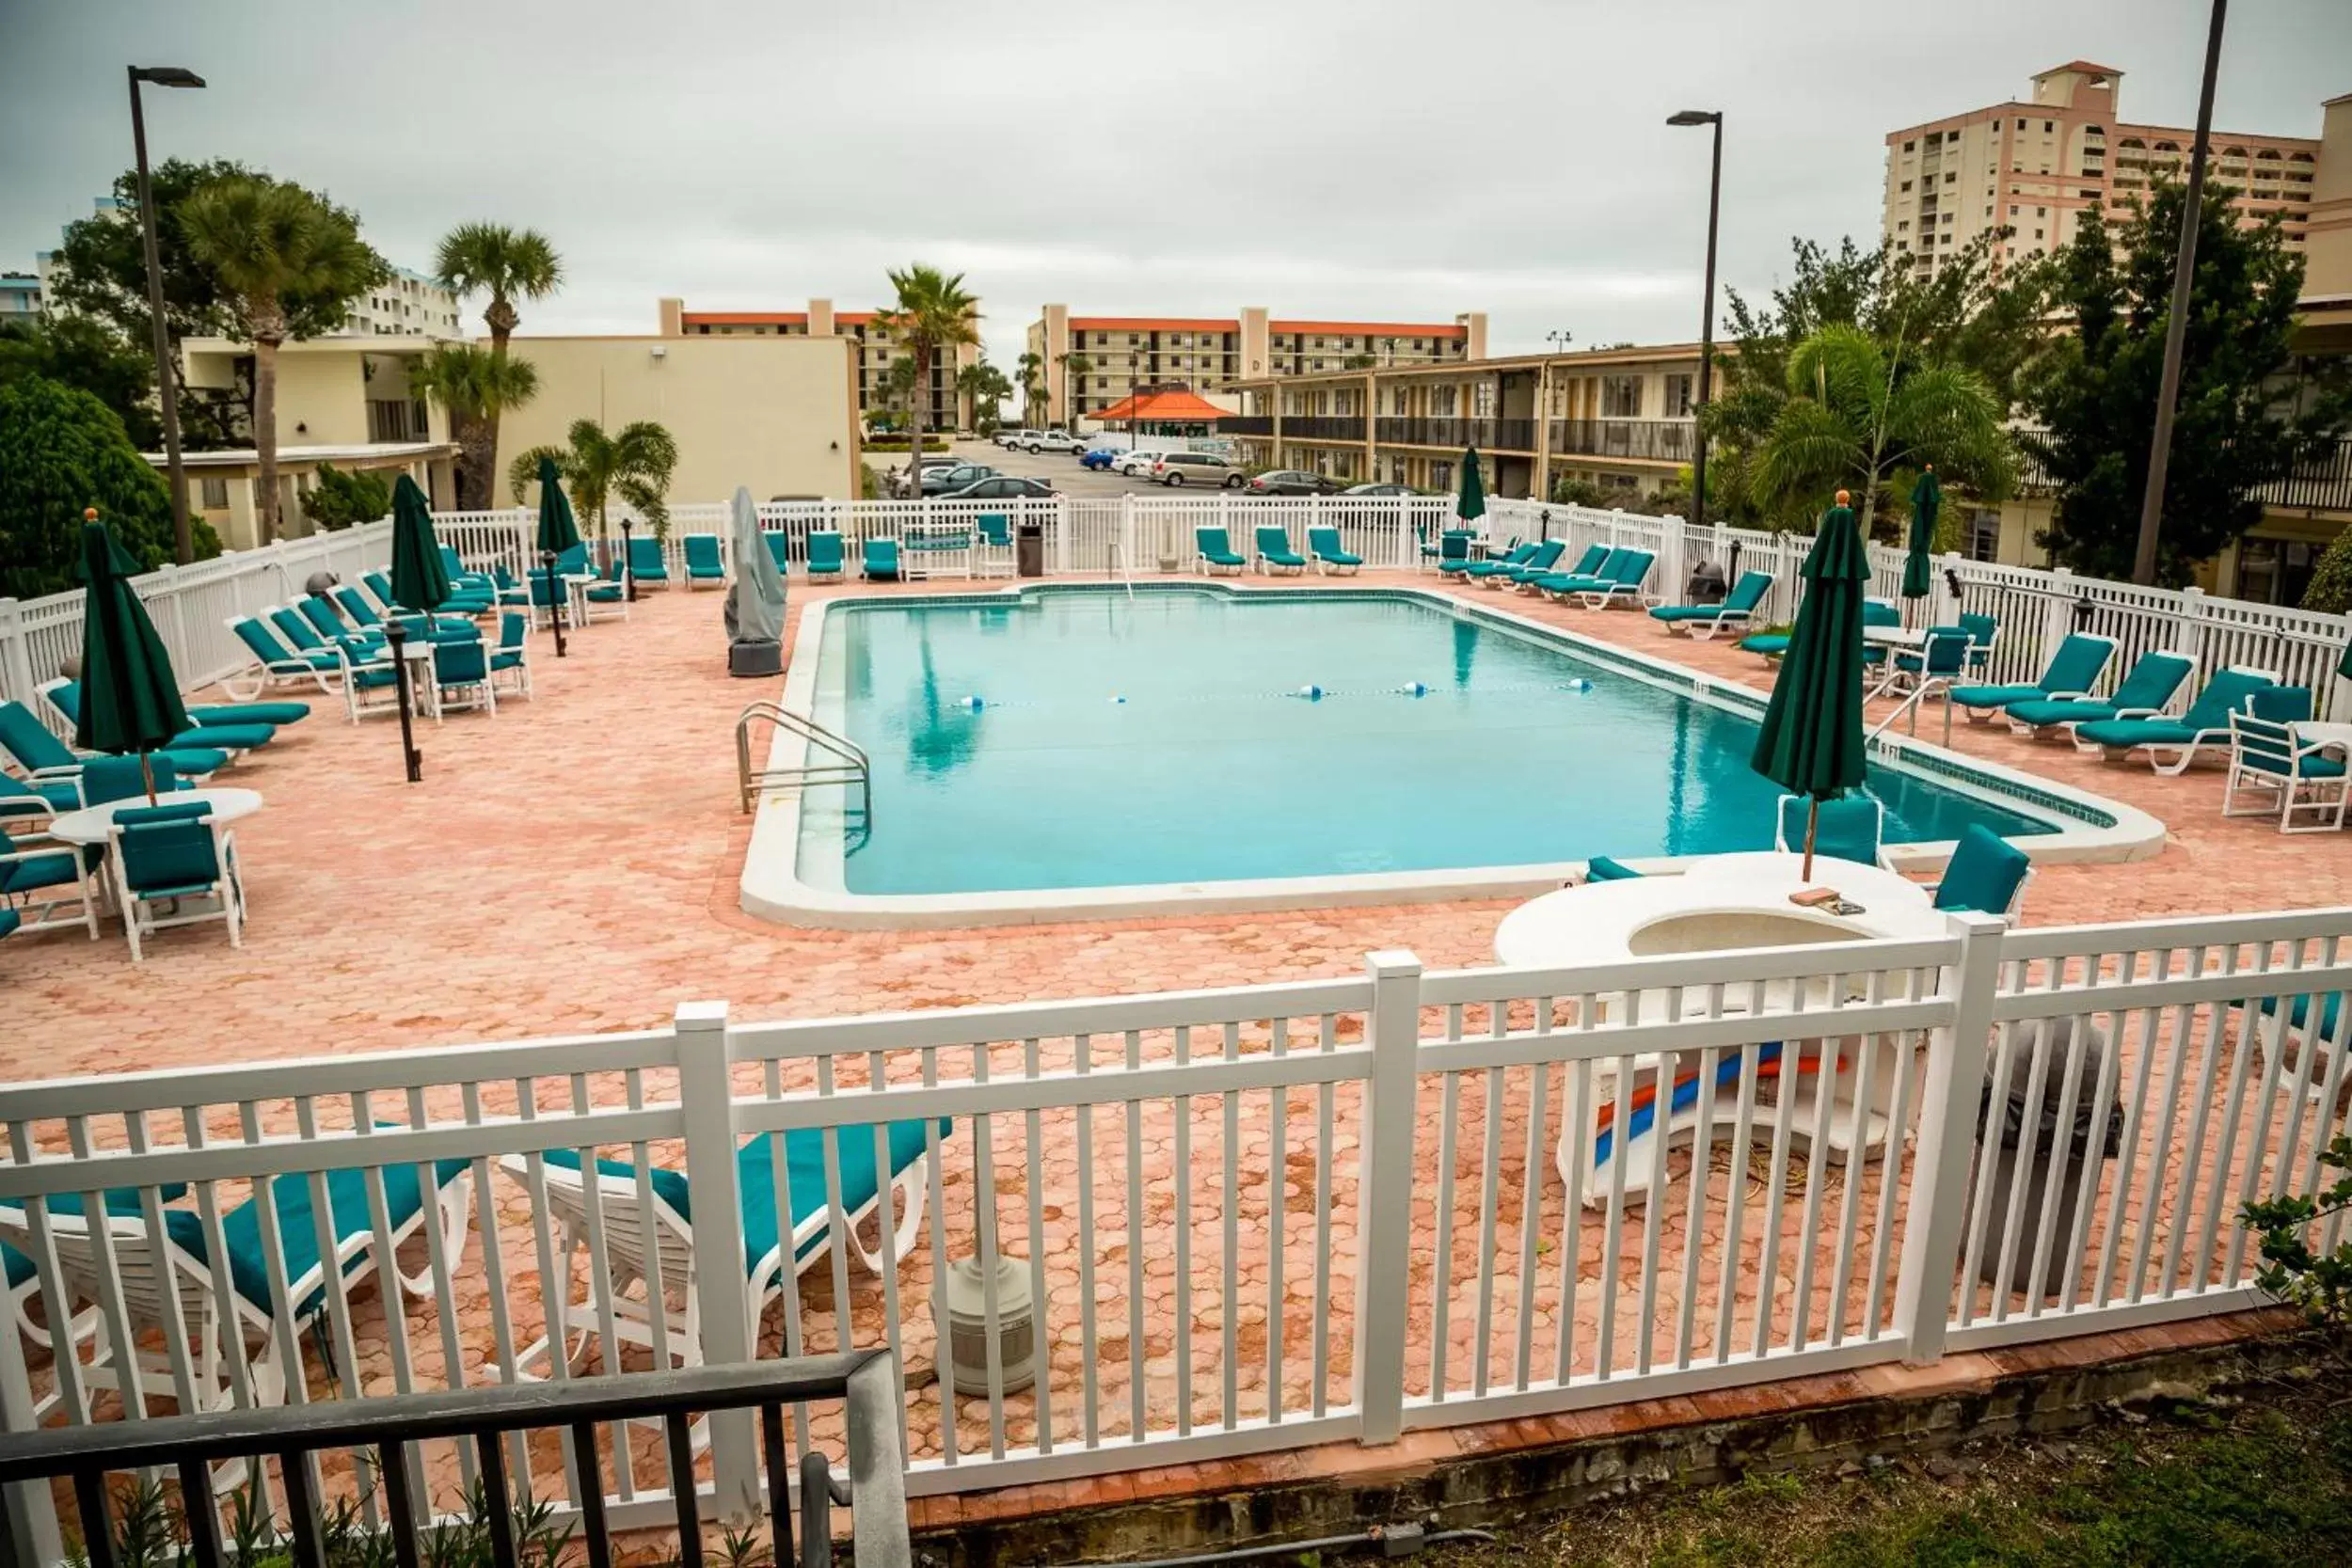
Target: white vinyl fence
(1242, 1220)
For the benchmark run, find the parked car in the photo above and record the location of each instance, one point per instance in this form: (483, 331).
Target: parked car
(1050, 440)
(1012, 436)
(901, 485)
(940, 481)
(1137, 463)
(1100, 457)
(1378, 490)
(1173, 468)
(1292, 481)
(997, 487)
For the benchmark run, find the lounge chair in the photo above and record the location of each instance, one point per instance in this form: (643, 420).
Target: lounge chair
(879, 562)
(236, 740)
(1214, 552)
(254, 1346)
(510, 661)
(1274, 554)
(1594, 560)
(1986, 872)
(993, 555)
(1555, 584)
(778, 548)
(824, 556)
(275, 664)
(328, 622)
(1849, 828)
(1467, 567)
(2142, 694)
(179, 855)
(630, 1232)
(1503, 574)
(1703, 621)
(303, 637)
(702, 559)
(646, 561)
(1625, 585)
(1330, 557)
(2072, 673)
(24, 1276)
(464, 579)
(2285, 775)
(53, 768)
(462, 601)
(45, 885)
(2205, 727)
(1600, 868)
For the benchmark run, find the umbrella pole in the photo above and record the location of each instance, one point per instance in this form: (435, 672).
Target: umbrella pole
(555, 602)
(1812, 823)
(147, 777)
(396, 635)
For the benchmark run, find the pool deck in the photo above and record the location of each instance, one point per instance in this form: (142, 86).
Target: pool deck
(572, 865)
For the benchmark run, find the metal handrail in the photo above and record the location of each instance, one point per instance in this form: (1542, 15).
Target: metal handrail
(853, 767)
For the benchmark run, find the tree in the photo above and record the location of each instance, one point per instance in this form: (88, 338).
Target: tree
(338, 499)
(932, 312)
(267, 244)
(66, 451)
(87, 352)
(986, 386)
(1857, 415)
(475, 386)
(634, 465)
(1032, 385)
(2235, 430)
(1075, 369)
(504, 263)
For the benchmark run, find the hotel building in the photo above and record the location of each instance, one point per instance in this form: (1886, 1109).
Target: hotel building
(947, 408)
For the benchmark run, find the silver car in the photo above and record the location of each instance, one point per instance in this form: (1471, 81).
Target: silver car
(1173, 468)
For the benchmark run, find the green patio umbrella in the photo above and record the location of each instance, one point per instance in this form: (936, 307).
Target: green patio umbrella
(419, 582)
(558, 532)
(1469, 503)
(1811, 741)
(129, 696)
(1927, 499)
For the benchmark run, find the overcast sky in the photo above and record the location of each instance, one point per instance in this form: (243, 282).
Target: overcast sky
(1395, 160)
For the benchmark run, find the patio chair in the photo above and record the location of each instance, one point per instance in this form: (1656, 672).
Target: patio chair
(1594, 559)
(1214, 552)
(647, 562)
(236, 740)
(779, 549)
(1701, 621)
(20, 803)
(1466, 568)
(608, 596)
(2072, 671)
(1330, 557)
(2285, 775)
(824, 556)
(879, 562)
(993, 556)
(276, 665)
(1272, 554)
(510, 661)
(703, 564)
(461, 677)
(1849, 828)
(45, 885)
(1986, 872)
(53, 768)
(240, 1339)
(2205, 727)
(1452, 552)
(1934, 671)
(631, 1232)
(2142, 694)
(1542, 562)
(179, 855)
(1984, 635)
(108, 779)
(1626, 584)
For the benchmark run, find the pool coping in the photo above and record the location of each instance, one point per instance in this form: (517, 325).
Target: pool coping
(772, 887)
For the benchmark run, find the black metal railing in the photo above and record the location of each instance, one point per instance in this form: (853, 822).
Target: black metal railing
(1485, 434)
(2323, 484)
(190, 1446)
(1655, 440)
(1244, 424)
(1322, 427)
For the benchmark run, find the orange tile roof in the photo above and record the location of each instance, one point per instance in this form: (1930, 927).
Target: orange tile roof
(1376, 329)
(854, 318)
(1152, 324)
(2082, 65)
(1161, 405)
(745, 318)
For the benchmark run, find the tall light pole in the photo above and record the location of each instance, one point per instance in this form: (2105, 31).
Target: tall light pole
(1706, 311)
(2176, 325)
(183, 540)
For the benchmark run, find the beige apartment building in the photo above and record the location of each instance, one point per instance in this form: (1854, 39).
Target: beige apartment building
(2038, 166)
(948, 408)
(1622, 419)
(1211, 354)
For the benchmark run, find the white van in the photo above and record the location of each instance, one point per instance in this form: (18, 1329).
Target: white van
(1173, 468)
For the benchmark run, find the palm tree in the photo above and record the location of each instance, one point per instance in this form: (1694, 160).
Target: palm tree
(634, 465)
(932, 312)
(986, 386)
(1032, 369)
(475, 386)
(264, 241)
(1073, 365)
(502, 263)
(1858, 414)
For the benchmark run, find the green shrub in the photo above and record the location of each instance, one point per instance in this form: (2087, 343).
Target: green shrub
(2331, 581)
(338, 500)
(62, 451)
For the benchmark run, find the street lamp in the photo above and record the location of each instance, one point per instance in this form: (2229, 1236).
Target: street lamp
(2176, 325)
(1706, 311)
(183, 540)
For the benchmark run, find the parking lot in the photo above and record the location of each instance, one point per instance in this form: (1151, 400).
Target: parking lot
(1058, 468)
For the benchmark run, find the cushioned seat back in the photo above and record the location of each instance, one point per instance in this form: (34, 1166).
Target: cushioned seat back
(106, 779)
(296, 631)
(996, 530)
(1981, 629)
(1273, 540)
(356, 608)
(456, 663)
(881, 555)
(379, 585)
(166, 847)
(512, 629)
(1600, 868)
(543, 593)
(824, 551)
(29, 740)
(1750, 591)
(1946, 650)
(1452, 546)
(320, 616)
(644, 558)
(1212, 543)
(1324, 540)
(1632, 566)
(2152, 681)
(1985, 873)
(702, 551)
(2226, 692)
(1848, 828)
(776, 543)
(2076, 664)
(1592, 560)
(573, 562)
(1878, 613)
(1547, 555)
(66, 697)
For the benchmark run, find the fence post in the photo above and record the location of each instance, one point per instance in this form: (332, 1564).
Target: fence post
(1407, 550)
(1384, 1189)
(2189, 636)
(1061, 536)
(706, 1103)
(1946, 1152)
(16, 658)
(1671, 577)
(1616, 527)
(1948, 605)
(2057, 615)
(1126, 533)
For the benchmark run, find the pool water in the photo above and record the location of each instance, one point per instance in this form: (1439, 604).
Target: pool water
(1087, 739)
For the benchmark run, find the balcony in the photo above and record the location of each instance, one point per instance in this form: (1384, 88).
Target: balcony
(2323, 483)
(1651, 440)
(1322, 427)
(1245, 424)
(1513, 435)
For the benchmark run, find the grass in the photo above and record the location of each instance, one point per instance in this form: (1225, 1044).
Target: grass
(2261, 1478)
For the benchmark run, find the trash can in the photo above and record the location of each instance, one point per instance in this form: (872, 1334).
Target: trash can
(1029, 550)
(2076, 1144)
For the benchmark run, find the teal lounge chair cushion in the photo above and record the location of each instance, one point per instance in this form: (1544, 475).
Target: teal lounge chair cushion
(1600, 868)
(298, 1226)
(1214, 547)
(880, 559)
(2208, 716)
(1984, 873)
(2074, 667)
(278, 715)
(645, 559)
(1325, 542)
(1592, 560)
(1847, 828)
(2150, 684)
(66, 698)
(1274, 545)
(1771, 644)
(118, 1200)
(1690, 613)
(702, 557)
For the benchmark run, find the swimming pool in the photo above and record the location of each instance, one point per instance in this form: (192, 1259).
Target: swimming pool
(1046, 746)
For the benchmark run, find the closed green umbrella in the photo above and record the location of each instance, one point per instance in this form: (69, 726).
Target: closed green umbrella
(1469, 503)
(1927, 499)
(1811, 741)
(129, 696)
(558, 532)
(419, 582)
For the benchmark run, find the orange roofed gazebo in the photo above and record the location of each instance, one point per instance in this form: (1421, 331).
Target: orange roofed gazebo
(1174, 407)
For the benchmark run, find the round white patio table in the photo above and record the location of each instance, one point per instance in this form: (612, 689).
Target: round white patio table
(95, 824)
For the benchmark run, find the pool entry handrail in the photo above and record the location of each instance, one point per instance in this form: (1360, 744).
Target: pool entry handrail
(847, 765)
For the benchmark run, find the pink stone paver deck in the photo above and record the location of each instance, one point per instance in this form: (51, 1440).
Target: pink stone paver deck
(572, 866)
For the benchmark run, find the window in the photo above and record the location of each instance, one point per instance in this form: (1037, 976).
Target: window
(1902, 225)
(1907, 148)
(1443, 402)
(2048, 126)
(2021, 125)
(1950, 178)
(2013, 212)
(1906, 184)
(1621, 397)
(1440, 476)
(1483, 401)
(1680, 396)
(216, 494)
(1984, 534)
